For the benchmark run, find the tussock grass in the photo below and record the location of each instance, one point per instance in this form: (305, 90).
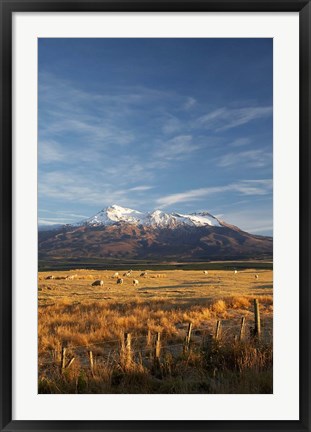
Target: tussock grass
(74, 313)
(229, 368)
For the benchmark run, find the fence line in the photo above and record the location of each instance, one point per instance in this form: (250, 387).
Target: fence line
(157, 343)
(224, 330)
(163, 333)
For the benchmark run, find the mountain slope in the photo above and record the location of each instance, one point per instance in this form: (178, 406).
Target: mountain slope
(118, 233)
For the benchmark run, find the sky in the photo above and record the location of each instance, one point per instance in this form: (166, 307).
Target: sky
(172, 124)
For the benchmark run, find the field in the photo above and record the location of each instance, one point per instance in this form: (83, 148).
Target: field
(133, 339)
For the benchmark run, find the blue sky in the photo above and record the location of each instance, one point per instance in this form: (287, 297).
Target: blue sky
(172, 124)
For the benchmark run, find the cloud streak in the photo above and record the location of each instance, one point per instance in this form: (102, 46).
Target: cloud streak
(176, 148)
(224, 118)
(140, 188)
(50, 151)
(253, 158)
(244, 187)
(189, 104)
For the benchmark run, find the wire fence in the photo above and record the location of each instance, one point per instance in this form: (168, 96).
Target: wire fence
(152, 346)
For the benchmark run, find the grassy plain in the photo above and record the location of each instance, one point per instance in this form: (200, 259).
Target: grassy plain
(82, 317)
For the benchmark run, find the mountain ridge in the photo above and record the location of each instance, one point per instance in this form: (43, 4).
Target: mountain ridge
(157, 218)
(121, 233)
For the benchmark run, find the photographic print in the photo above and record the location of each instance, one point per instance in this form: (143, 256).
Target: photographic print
(155, 224)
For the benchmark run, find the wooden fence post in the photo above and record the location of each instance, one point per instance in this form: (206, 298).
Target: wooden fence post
(127, 347)
(257, 329)
(91, 362)
(217, 331)
(149, 337)
(63, 359)
(188, 337)
(242, 329)
(157, 351)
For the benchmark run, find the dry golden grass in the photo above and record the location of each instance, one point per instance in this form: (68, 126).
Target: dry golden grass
(72, 311)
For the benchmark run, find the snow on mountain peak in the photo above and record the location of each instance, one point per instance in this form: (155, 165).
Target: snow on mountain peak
(113, 214)
(161, 219)
(157, 218)
(202, 219)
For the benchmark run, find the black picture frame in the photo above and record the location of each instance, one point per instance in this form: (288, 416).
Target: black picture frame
(8, 7)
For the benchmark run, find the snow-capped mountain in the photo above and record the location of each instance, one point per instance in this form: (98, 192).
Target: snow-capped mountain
(157, 218)
(118, 233)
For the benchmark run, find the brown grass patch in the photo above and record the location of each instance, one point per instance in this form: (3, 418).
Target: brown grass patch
(73, 312)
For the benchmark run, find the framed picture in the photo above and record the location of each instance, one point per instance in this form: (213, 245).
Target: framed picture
(155, 215)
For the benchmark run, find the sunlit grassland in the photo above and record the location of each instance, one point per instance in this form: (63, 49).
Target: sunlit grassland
(74, 313)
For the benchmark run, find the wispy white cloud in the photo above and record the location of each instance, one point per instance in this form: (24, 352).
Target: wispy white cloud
(176, 148)
(252, 158)
(244, 187)
(260, 229)
(191, 195)
(190, 103)
(60, 214)
(253, 187)
(254, 219)
(228, 118)
(53, 89)
(240, 142)
(81, 125)
(94, 131)
(50, 151)
(103, 117)
(54, 221)
(87, 189)
(140, 188)
(171, 124)
(80, 115)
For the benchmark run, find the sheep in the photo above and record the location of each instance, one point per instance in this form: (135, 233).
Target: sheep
(205, 272)
(120, 281)
(50, 277)
(256, 276)
(115, 275)
(143, 274)
(71, 277)
(235, 271)
(135, 282)
(98, 283)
